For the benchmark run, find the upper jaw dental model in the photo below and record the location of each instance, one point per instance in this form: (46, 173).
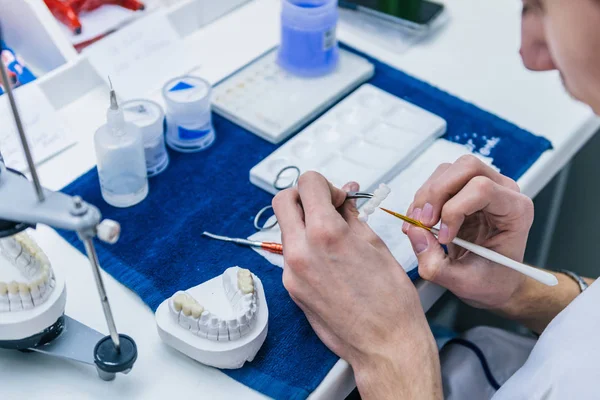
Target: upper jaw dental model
(222, 322)
(379, 195)
(32, 298)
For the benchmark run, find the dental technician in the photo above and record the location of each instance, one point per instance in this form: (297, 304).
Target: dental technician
(364, 307)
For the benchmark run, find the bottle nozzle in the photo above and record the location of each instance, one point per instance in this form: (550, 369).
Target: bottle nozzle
(113, 97)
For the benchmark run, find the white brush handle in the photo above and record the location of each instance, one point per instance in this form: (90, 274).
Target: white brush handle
(541, 276)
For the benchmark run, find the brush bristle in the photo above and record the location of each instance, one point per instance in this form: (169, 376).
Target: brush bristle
(405, 218)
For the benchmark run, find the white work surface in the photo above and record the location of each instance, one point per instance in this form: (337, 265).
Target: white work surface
(474, 57)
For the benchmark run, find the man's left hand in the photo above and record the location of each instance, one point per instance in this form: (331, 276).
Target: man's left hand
(355, 295)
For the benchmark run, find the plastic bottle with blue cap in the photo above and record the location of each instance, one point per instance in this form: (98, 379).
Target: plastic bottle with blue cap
(189, 118)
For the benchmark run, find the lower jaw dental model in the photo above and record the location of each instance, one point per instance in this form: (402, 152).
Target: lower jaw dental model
(32, 297)
(222, 322)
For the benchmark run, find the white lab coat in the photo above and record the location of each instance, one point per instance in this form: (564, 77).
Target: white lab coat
(563, 364)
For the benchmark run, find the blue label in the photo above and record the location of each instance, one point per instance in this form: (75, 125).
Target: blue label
(181, 86)
(187, 134)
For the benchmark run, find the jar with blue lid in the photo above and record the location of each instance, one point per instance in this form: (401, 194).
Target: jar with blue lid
(309, 44)
(188, 111)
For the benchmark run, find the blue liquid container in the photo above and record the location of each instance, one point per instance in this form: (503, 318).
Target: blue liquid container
(309, 45)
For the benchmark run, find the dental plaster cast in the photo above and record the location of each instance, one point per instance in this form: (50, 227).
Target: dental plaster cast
(222, 322)
(379, 195)
(32, 297)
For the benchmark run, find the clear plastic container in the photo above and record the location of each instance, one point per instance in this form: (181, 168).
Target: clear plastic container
(149, 118)
(120, 159)
(309, 45)
(189, 118)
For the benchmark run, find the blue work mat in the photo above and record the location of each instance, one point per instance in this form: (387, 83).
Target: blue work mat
(161, 250)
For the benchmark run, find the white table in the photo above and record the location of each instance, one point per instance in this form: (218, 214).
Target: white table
(475, 57)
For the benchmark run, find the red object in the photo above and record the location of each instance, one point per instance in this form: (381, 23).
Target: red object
(67, 11)
(272, 247)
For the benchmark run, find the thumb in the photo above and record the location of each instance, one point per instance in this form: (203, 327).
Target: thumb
(348, 209)
(430, 255)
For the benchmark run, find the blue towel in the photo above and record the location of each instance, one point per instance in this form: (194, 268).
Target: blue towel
(161, 250)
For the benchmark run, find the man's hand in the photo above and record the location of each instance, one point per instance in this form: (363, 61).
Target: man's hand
(355, 295)
(478, 204)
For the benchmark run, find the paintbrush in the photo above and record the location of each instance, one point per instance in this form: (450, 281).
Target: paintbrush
(539, 275)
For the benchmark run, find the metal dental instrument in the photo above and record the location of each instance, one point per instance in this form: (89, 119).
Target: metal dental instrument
(20, 208)
(268, 246)
(534, 273)
(277, 185)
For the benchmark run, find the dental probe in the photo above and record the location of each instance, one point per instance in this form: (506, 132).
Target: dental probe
(268, 246)
(534, 273)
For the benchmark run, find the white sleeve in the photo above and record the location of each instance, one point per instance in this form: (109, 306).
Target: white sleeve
(565, 362)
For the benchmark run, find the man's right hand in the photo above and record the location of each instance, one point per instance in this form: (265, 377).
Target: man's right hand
(478, 204)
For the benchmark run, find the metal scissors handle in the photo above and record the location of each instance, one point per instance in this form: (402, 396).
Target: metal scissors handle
(290, 184)
(277, 185)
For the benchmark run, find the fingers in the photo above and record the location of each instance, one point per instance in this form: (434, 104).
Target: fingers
(348, 209)
(438, 171)
(431, 257)
(350, 214)
(319, 198)
(440, 188)
(482, 194)
(290, 215)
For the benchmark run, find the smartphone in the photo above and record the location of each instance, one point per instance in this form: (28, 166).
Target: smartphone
(414, 14)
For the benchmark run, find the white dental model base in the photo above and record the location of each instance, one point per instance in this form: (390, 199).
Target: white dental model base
(379, 195)
(32, 296)
(222, 322)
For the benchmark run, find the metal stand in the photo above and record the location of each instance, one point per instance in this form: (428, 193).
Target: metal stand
(80, 343)
(21, 207)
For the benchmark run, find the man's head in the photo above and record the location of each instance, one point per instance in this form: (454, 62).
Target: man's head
(565, 35)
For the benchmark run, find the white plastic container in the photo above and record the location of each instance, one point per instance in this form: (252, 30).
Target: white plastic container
(120, 159)
(149, 119)
(189, 119)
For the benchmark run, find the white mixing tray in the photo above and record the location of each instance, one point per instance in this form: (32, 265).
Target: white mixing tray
(369, 137)
(273, 104)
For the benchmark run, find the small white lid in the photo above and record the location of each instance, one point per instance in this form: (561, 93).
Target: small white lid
(147, 115)
(187, 95)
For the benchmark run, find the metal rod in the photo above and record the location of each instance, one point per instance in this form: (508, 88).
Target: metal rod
(110, 321)
(7, 87)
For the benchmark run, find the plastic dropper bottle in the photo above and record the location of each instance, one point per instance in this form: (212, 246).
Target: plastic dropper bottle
(120, 158)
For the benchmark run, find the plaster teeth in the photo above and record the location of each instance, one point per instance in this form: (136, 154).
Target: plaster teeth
(238, 286)
(24, 253)
(197, 310)
(234, 329)
(14, 298)
(35, 294)
(25, 294)
(245, 281)
(13, 288)
(213, 329)
(244, 329)
(10, 248)
(187, 309)
(223, 332)
(4, 304)
(203, 324)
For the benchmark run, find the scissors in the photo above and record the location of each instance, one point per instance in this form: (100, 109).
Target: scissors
(277, 184)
